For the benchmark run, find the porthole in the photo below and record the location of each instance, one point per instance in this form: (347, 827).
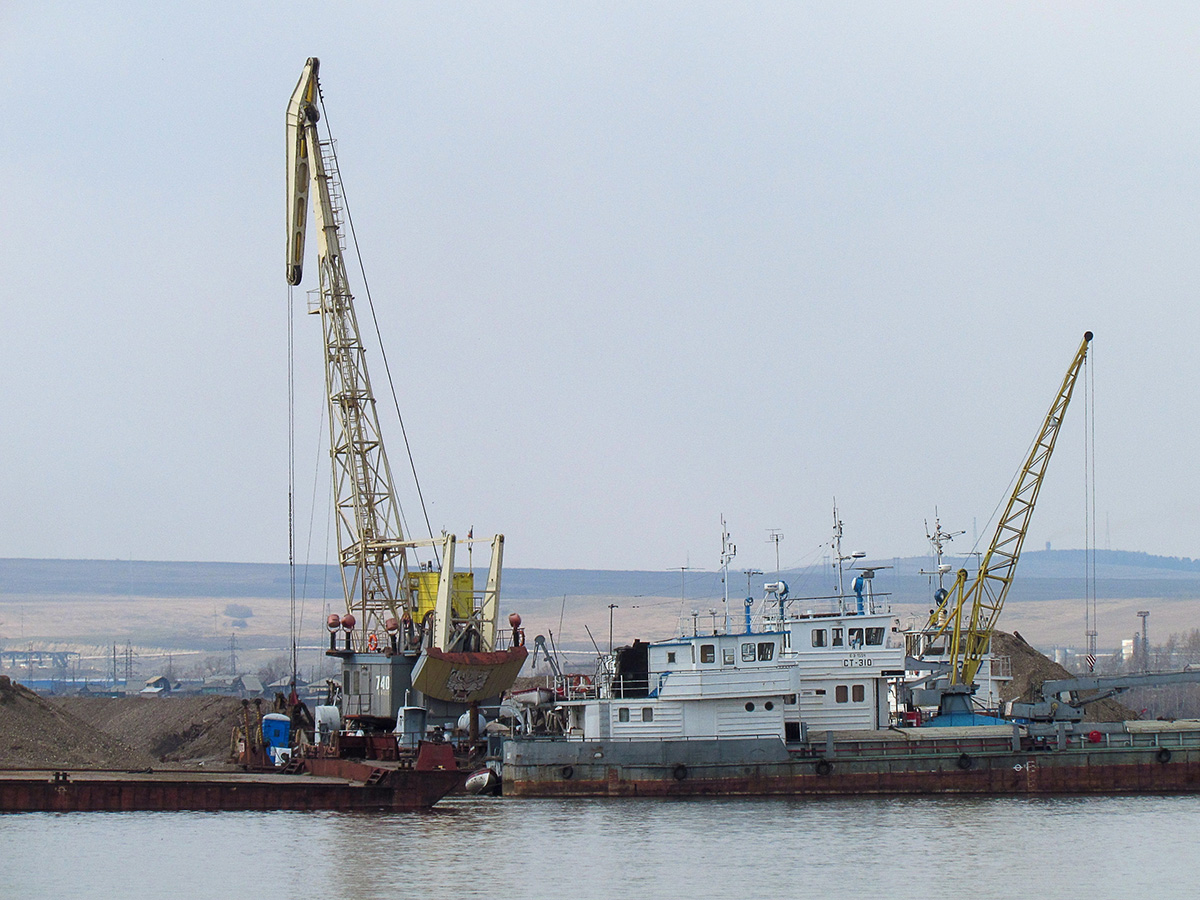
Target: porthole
(749, 707)
(768, 706)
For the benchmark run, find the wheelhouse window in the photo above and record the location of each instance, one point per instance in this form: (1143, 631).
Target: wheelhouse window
(841, 693)
(708, 653)
(857, 692)
(837, 637)
(727, 656)
(856, 638)
(747, 653)
(766, 651)
(818, 639)
(874, 637)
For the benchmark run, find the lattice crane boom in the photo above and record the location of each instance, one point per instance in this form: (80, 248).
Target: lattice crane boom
(969, 642)
(371, 545)
(381, 591)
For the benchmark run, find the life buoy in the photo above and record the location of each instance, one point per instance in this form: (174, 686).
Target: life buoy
(1163, 755)
(373, 643)
(581, 683)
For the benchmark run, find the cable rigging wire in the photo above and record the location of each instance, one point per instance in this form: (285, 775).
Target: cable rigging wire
(378, 334)
(1089, 509)
(291, 391)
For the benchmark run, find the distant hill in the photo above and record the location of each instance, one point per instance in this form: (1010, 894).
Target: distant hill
(1042, 574)
(200, 605)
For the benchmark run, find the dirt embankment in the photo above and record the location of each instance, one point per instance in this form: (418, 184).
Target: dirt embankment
(36, 734)
(114, 733)
(183, 731)
(1030, 669)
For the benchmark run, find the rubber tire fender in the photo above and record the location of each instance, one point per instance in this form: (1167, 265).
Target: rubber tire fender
(824, 767)
(965, 762)
(1163, 755)
(680, 772)
(567, 772)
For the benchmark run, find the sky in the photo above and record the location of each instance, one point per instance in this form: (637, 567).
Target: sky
(636, 267)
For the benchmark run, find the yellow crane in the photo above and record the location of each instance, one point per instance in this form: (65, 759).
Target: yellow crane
(397, 612)
(984, 596)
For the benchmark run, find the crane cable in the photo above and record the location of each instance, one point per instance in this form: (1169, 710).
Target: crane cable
(1089, 512)
(378, 336)
(291, 392)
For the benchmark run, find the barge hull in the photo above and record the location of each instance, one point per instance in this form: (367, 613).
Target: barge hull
(756, 768)
(119, 792)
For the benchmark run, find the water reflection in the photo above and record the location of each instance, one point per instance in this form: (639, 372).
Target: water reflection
(576, 850)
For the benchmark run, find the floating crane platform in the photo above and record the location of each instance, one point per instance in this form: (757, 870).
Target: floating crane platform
(1122, 758)
(332, 784)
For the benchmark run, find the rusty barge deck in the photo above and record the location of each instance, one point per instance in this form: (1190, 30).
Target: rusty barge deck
(328, 785)
(956, 761)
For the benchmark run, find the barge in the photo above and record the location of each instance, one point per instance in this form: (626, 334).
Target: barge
(1130, 757)
(313, 784)
(809, 702)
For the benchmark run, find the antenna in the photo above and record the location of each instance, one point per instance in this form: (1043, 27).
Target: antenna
(682, 575)
(728, 552)
(837, 546)
(938, 540)
(839, 558)
(750, 573)
(775, 536)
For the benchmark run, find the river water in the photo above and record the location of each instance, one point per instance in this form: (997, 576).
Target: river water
(1096, 847)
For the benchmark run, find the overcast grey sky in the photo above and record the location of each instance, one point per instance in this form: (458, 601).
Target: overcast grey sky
(636, 265)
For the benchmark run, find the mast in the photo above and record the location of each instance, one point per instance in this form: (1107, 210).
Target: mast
(728, 552)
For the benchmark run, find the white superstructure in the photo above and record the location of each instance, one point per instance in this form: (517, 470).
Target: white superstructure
(794, 668)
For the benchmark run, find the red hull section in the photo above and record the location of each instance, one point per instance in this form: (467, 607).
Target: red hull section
(383, 789)
(933, 764)
(1146, 778)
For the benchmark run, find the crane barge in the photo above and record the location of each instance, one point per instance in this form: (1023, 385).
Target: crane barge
(795, 701)
(416, 638)
(957, 639)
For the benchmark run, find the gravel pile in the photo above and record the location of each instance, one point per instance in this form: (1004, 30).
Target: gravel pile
(1030, 669)
(187, 731)
(34, 734)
